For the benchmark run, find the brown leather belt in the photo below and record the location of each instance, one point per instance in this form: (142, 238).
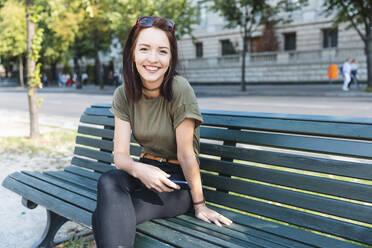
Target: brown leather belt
(161, 160)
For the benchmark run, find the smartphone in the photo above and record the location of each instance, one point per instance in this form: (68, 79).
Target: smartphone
(182, 184)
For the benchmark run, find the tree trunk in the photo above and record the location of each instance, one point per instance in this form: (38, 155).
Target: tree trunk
(20, 68)
(53, 68)
(97, 68)
(369, 57)
(76, 66)
(31, 64)
(6, 67)
(34, 113)
(244, 51)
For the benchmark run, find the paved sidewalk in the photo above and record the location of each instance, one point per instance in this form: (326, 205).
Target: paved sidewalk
(331, 90)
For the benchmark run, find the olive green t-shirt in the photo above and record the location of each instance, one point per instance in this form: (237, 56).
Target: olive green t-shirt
(154, 121)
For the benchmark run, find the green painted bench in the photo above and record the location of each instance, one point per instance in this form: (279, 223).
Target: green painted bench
(285, 181)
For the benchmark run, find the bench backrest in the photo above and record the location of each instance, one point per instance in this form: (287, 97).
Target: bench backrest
(313, 172)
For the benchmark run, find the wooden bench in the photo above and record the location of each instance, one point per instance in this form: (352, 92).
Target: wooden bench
(285, 181)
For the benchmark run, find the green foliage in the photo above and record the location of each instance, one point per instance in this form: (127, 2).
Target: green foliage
(368, 89)
(12, 29)
(61, 20)
(356, 13)
(252, 13)
(35, 13)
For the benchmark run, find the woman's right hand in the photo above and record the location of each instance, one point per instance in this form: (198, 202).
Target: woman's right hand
(154, 178)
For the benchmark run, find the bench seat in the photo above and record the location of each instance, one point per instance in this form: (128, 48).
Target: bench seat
(72, 193)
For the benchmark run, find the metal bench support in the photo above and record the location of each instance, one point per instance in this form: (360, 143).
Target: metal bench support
(54, 223)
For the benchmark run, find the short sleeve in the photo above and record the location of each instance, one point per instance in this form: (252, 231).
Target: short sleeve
(184, 104)
(120, 105)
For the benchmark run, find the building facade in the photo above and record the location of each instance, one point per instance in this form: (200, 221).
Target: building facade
(307, 46)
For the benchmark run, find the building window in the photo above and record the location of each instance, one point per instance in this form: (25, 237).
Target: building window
(330, 37)
(199, 49)
(201, 13)
(291, 5)
(254, 44)
(289, 41)
(227, 47)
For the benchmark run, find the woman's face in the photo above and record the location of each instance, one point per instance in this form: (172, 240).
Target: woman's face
(152, 56)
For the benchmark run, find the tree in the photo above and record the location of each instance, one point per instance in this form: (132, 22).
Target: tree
(248, 16)
(61, 20)
(34, 40)
(13, 33)
(357, 14)
(268, 41)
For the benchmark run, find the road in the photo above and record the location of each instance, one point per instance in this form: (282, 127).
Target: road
(70, 104)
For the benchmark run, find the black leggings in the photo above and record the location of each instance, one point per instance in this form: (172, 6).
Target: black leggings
(124, 201)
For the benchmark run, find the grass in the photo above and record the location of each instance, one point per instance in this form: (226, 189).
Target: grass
(368, 89)
(53, 149)
(75, 242)
(56, 142)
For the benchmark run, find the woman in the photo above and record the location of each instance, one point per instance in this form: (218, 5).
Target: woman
(161, 110)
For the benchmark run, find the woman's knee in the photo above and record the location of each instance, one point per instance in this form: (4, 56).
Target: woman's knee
(114, 180)
(107, 181)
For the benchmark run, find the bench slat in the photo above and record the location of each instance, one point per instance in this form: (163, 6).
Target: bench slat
(307, 220)
(99, 112)
(96, 143)
(93, 165)
(55, 191)
(144, 241)
(208, 235)
(71, 178)
(97, 120)
(242, 232)
(100, 144)
(322, 165)
(344, 189)
(171, 236)
(58, 206)
(343, 128)
(289, 232)
(317, 203)
(302, 143)
(62, 184)
(94, 154)
(82, 172)
(225, 234)
(99, 132)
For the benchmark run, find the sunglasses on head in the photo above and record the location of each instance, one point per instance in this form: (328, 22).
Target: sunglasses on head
(148, 21)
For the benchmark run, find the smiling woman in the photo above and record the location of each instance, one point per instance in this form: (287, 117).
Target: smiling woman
(159, 108)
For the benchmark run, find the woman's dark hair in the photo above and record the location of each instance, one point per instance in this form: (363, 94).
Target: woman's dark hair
(132, 80)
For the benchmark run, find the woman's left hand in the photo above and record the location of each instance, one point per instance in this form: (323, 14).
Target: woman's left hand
(208, 215)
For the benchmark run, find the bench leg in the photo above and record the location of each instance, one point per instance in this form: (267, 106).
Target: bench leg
(54, 222)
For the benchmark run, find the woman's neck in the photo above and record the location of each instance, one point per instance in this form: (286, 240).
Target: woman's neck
(151, 90)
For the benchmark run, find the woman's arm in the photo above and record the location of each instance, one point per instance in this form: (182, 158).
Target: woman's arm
(151, 176)
(190, 168)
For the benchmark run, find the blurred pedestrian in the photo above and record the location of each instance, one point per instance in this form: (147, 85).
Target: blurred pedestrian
(354, 71)
(74, 80)
(84, 78)
(110, 78)
(346, 72)
(44, 80)
(60, 79)
(68, 79)
(116, 80)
